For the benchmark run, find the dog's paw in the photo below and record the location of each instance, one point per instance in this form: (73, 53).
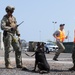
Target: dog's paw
(33, 70)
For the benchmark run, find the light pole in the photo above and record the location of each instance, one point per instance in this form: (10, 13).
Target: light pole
(54, 22)
(68, 35)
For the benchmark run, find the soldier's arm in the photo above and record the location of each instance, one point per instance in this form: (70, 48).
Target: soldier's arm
(3, 25)
(16, 28)
(17, 32)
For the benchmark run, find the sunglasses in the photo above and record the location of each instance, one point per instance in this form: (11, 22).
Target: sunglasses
(10, 11)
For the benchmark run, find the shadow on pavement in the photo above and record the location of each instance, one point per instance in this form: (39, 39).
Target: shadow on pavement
(56, 70)
(52, 70)
(29, 70)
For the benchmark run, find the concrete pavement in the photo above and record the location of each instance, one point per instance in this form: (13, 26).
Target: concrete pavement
(57, 67)
(64, 58)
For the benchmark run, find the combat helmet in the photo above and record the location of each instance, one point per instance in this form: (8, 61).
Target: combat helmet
(9, 8)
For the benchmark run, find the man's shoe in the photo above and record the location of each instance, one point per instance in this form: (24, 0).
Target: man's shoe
(55, 59)
(9, 67)
(23, 67)
(19, 66)
(72, 69)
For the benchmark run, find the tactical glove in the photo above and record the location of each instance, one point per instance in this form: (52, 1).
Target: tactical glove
(18, 34)
(12, 29)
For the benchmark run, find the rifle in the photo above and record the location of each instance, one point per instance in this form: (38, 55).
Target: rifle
(20, 23)
(16, 26)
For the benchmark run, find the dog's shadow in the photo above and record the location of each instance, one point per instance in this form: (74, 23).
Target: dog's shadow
(31, 70)
(51, 70)
(56, 70)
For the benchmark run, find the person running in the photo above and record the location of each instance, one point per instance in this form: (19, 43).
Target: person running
(60, 36)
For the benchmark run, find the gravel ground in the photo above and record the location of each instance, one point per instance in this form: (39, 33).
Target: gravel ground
(56, 67)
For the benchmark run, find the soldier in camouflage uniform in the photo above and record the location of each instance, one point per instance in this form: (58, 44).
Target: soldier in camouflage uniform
(73, 59)
(10, 30)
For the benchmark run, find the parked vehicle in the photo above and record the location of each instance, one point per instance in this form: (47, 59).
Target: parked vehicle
(24, 45)
(51, 47)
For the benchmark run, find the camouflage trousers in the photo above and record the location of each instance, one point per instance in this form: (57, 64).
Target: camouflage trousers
(8, 42)
(61, 48)
(73, 56)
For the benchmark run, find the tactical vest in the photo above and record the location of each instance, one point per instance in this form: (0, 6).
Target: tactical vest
(11, 21)
(61, 36)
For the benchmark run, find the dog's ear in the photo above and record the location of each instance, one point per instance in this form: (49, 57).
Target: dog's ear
(38, 44)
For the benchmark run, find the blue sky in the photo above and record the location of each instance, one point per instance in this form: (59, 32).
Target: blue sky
(38, 16)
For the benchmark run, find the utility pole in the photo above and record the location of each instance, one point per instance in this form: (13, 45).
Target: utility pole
(54, 22)
(68, 35)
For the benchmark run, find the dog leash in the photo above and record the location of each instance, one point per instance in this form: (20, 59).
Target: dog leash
(27, 54)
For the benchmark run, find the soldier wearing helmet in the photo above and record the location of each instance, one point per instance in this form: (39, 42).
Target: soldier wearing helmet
(8, 25)
(9, 8)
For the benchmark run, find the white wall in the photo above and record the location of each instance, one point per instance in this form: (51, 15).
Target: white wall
(1, 41)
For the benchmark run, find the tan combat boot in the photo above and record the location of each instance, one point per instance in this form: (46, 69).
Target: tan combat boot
(21, 66)
(72, 68)
(9, 67)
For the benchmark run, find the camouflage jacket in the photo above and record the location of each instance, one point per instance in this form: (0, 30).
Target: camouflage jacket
(7, 23)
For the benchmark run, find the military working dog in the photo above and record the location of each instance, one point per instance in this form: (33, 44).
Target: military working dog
(40, 59)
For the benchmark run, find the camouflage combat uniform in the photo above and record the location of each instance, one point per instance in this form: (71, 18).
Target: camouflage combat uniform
(9, 38)
(73, 58)
(73, 55)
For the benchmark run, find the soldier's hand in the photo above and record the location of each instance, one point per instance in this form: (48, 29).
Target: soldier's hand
(13, 28)
(18, 35)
